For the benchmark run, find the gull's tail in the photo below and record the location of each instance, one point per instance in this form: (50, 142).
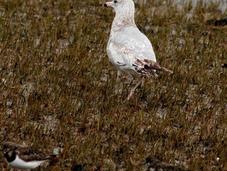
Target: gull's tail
(155, 66)
(149, 67)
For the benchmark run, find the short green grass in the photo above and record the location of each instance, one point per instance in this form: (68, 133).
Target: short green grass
(58, 89)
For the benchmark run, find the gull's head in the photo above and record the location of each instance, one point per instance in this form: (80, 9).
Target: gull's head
(121, 6)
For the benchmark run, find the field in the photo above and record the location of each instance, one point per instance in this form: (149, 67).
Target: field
(58, 91)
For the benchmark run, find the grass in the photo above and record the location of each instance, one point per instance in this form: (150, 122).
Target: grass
(58, 88)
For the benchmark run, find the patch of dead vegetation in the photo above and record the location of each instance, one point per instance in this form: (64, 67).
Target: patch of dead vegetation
(58, 89)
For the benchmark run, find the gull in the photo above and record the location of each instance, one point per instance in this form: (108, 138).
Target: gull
(22, 157)
(128, 48)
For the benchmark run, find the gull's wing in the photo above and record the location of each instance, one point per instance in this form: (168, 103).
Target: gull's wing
(131, 49)
(135, 41)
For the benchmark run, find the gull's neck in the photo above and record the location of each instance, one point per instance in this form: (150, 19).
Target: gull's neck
(123, 19)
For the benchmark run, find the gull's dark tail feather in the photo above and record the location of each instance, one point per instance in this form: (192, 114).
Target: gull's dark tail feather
(155, 66)
(148, 66)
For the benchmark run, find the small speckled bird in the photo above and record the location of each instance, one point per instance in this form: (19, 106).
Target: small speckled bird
(128, 48)
(21, 157)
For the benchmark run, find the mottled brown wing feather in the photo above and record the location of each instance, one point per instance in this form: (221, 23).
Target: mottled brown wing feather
(29, 154)
(11, 145)
(160, 165)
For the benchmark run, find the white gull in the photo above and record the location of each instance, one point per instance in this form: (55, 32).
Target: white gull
(129, 49)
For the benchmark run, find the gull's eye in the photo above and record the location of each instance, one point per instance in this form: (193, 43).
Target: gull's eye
(115, 1)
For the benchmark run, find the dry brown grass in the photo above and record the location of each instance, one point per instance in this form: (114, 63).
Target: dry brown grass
(58, 89)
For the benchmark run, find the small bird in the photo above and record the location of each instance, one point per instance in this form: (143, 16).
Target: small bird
(155, 164)
(128, 48)
(22, 157)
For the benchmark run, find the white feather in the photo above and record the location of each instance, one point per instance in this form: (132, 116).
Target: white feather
(21, 164)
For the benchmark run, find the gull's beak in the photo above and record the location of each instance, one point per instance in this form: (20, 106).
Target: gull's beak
(109, 4)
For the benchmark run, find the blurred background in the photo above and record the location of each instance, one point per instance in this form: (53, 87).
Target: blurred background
(58, 91)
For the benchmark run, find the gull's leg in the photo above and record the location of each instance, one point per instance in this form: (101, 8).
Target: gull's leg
(118, 76)
(141, 82)
(131, 78)
(118, 85)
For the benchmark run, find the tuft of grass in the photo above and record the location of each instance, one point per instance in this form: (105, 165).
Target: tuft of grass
(58, 88)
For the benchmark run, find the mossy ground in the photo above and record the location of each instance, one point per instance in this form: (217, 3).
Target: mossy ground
(58, 89)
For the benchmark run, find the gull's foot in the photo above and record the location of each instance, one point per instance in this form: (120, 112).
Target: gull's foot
(141, 82)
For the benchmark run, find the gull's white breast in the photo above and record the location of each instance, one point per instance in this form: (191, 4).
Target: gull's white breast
(21, 164)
